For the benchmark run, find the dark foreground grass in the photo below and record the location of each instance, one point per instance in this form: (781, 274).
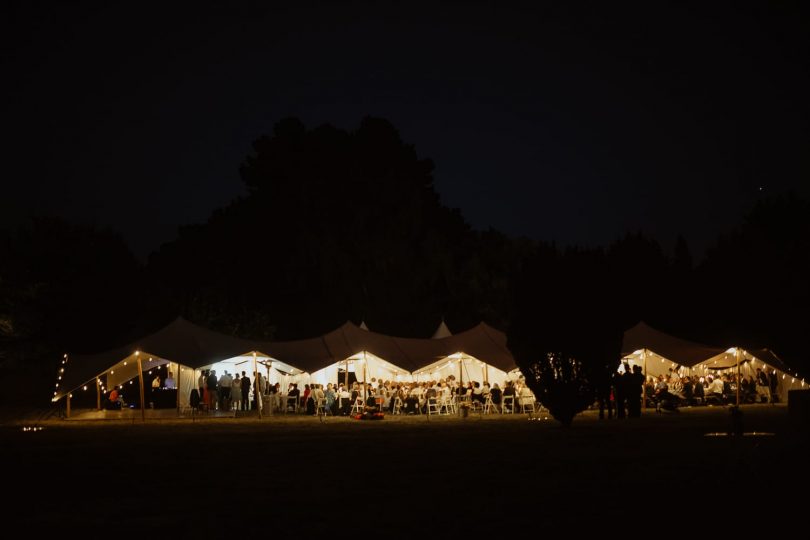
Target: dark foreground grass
(406, 477)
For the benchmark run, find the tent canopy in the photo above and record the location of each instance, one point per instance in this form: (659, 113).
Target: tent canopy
(180, 341)
(442, 331)
(679, 351)
(196, 347)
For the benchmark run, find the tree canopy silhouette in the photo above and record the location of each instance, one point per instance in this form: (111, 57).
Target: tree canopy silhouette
(337, 225)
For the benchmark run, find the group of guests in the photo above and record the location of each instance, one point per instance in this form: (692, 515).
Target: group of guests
(672, 390)
(395, 397)
(676, 389)
(227, 392)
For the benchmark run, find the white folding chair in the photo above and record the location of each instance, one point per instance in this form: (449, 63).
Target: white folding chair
(397, 405)
(321, 407)
(490, 407)
(357, 406)
(291, 402)
(508, 405)
(433, 405)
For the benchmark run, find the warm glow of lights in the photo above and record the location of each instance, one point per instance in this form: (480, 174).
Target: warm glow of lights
(112, 372)
(137, 353)
(85, 388)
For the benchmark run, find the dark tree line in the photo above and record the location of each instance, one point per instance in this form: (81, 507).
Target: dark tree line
(344, 225)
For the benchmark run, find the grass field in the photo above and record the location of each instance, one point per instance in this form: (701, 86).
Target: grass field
(404, 476)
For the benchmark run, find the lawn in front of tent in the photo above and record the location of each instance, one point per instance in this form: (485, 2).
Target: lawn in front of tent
(302, 475)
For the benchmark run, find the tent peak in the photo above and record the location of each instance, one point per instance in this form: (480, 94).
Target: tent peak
(442, 331)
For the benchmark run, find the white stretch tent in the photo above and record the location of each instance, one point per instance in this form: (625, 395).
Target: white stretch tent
(726, 362)
(657, 352)
(463, 368)
(367, 367)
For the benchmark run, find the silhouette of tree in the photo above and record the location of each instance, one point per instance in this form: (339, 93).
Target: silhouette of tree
(337, 225)
(562, 384)
(563, 331)
(63, 287)
(755, 284)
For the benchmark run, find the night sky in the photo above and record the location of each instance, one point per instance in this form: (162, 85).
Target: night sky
(574, 124)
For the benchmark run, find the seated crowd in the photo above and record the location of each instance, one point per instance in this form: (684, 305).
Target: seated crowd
(392, 397)
(713, 389)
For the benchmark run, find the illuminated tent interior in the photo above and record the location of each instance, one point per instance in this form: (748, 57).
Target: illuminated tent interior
(186, 349)
(272, 369)
(726, 362)
(184, 346)
(371, 355)
(657, 352)
(463, 368)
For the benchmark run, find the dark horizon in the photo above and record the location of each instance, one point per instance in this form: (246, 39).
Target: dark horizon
(542, 122)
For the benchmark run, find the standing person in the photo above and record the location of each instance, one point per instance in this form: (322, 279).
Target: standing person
(245, 392)
(331, 398)
(633, 392)
(201, 386)
(763, 386)
(155, 389)
(225, 383)
(618, 393)
(236, 392)
(206, 391)
(258, 390)
(213, 395)
(774, 386)
(603, 396)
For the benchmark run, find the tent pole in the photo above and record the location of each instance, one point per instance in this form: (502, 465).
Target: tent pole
(486, 373)
(460, 374)
(256, 389)
(644, 385)
(365, 376)
(67, 405)
(140, 385)
(177, 387)
(737, 351)
(347, 374)
(98, 395)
